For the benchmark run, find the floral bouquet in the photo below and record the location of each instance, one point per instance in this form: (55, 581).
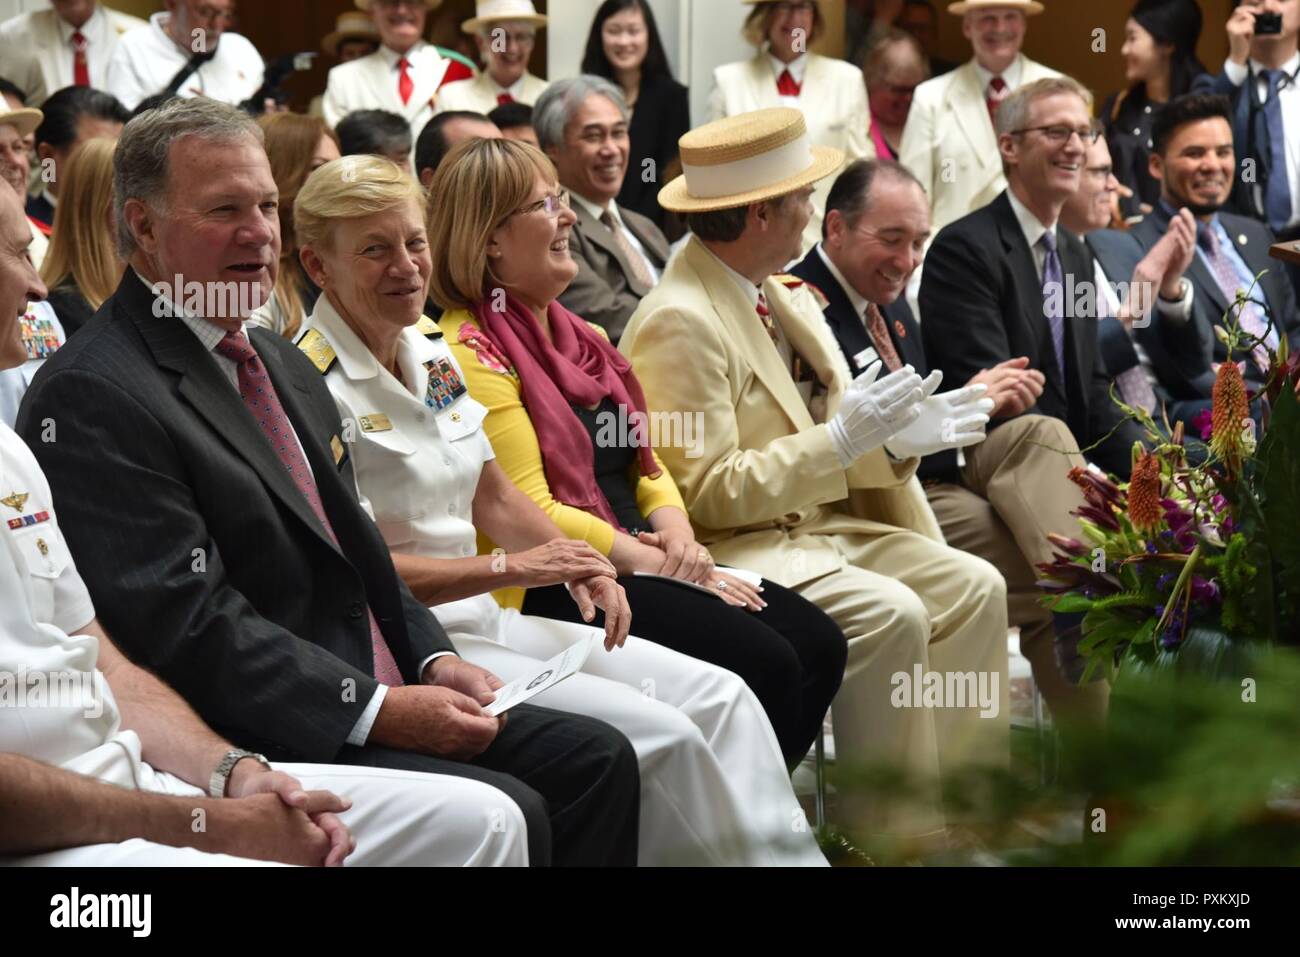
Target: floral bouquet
(1195, 562)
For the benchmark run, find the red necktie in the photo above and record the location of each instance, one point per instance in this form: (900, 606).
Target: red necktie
(504, 98)
(785, 84)
(405, 85)
(997, 93)
(80, 66)
(258, 393)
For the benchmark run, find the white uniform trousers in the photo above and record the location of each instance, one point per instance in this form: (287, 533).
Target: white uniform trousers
(714, 788)
(399, 818)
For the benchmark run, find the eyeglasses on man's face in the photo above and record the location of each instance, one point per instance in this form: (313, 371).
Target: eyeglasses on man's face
(1058, 135)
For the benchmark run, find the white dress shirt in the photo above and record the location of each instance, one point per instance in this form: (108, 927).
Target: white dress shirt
(100, 41)
(147, 58)
(797, 67)
(1010, 76)
(1033, 230)
(1289, 96)
(596, 212)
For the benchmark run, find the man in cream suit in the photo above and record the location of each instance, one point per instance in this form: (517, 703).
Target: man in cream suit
(949, 143)
(582, 125)
(505, 31)
(831, 93)
(68, 45)
(808, 477)
(403, 76)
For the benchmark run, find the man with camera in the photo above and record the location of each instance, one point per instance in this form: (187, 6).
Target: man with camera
(1262, 49)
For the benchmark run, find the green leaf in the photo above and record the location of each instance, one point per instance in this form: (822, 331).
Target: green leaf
(1072, 602)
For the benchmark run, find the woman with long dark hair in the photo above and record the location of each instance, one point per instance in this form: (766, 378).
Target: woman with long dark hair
(1160, 64)
(624, 47)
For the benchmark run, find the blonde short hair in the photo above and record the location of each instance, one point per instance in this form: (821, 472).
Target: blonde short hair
(759, 24)
(349, 188)
(476, 189)
(1013, 112)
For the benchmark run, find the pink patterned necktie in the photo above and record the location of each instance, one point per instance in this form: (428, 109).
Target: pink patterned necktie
(259, 396)
(1249, 316)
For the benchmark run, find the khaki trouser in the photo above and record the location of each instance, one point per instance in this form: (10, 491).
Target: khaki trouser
(1014, 491)
(904, 600)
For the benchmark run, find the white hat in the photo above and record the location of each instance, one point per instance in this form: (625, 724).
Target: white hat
(746, 159)
(350, 25)
(1030, 7)
(495, 11)
(24, 121)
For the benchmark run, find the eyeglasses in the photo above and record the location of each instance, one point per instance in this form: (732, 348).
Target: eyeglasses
(1061, 134)
(553, 203)
(1102, 173)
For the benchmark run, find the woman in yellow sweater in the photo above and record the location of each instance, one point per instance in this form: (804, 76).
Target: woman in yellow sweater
(566, 421)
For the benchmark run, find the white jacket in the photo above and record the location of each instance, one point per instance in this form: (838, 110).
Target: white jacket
(37, 58)
(949, 143)
(833, 100)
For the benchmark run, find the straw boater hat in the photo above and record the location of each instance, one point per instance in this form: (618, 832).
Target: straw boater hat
(746, 159)
(495, 11)
(350, 26)
(24, 121)
(1030, 7)
(431, 4)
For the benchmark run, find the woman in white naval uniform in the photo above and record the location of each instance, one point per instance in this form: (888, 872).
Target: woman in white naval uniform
(830, 93)
(714, 787)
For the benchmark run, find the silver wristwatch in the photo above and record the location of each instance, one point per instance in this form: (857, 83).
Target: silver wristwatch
(221, 776)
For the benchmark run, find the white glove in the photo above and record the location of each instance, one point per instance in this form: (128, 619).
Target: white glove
(872, 411)
(954, 420)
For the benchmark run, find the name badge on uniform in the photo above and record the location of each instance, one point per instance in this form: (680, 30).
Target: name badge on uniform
(40, 338)
(375, 422)
(865, 358)
(336, 446)
(445, 385)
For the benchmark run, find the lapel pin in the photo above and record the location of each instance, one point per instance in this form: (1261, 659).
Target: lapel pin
(1241, 240)
(899, 329)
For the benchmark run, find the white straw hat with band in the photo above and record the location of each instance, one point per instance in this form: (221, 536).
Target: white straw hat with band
(746, 159)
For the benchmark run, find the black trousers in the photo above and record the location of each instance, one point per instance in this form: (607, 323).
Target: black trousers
(575, 779)
(791, 654)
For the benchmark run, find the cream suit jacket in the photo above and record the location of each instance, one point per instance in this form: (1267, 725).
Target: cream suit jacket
(34, 56)
(766, 490)
(833, 102)
(370, 83)
(479, 95)
(949, 143)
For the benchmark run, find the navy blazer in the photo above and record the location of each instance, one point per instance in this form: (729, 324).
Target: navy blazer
(1252, 239)
(850, 332)
(1177, 350)
(1249, 137)
(982, 303)
(204, 560)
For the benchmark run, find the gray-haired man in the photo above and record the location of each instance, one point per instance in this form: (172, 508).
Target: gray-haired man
(581, 125)
(211, 506)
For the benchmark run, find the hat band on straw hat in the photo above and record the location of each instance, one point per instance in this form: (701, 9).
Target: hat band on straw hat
(753, 173)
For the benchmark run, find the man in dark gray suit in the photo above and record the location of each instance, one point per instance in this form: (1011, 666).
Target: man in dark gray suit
(582, 126)
(210, 504)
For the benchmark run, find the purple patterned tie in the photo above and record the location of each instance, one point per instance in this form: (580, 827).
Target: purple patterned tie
(1250, 319)
(1054, 297)
(1134, 388)
(259, 397)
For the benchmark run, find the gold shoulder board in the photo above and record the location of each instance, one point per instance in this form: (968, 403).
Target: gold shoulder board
(317, 348)
(428, 328)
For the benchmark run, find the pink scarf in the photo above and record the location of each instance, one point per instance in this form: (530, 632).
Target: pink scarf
(576, 367)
